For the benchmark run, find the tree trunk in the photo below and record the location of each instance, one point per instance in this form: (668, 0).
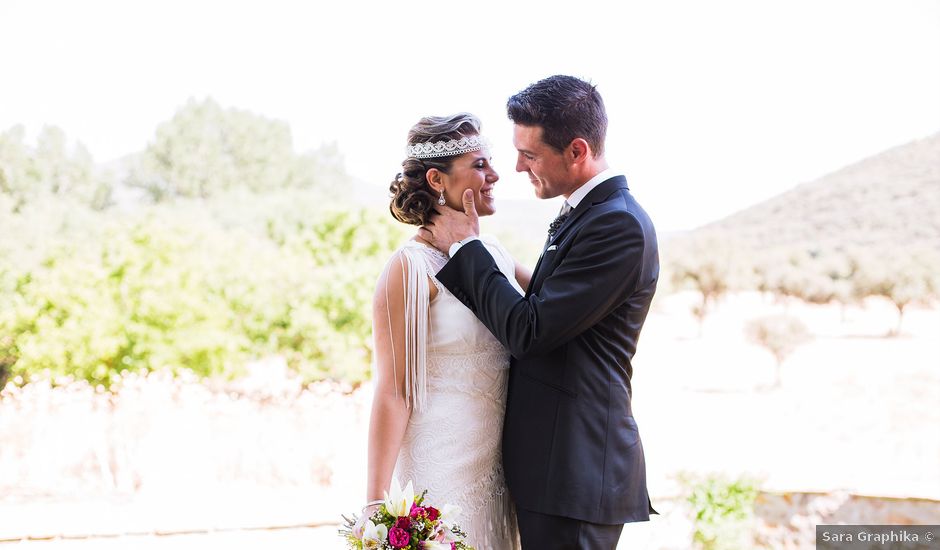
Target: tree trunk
(897, 329)
(701, 313)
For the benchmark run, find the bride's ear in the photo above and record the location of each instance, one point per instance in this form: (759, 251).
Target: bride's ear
(435, 179)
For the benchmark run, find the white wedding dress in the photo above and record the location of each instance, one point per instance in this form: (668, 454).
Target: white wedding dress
(456, 378)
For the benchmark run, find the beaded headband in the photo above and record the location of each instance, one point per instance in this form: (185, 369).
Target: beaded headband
(447, 148)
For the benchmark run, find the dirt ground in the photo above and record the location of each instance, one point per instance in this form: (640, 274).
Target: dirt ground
(856, 412)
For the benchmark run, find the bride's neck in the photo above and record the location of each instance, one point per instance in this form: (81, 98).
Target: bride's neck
(422, 241)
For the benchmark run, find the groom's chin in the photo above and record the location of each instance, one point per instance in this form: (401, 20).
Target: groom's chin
(541, 192)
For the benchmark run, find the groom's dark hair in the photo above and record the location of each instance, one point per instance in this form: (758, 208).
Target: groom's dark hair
(566, 108)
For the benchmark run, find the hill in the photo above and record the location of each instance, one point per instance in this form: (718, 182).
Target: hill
(881, 202)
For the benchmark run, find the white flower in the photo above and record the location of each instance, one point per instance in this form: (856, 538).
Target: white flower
(432, 545)
(359, 528)
(399, 502)
(446, 537)
(373, 536)
(449, 514)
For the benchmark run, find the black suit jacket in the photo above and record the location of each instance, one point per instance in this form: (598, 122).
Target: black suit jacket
(570, 444)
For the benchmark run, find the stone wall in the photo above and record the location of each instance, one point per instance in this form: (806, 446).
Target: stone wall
(788, 520)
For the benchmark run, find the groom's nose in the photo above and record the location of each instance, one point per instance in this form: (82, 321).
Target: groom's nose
(521, 165)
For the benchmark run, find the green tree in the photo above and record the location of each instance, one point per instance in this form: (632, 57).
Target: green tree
(17, 173)
(710, 264)
(780, 335)
(813, 276)
(905, 276)
(50, 169)
(205, 149)
(174, 287)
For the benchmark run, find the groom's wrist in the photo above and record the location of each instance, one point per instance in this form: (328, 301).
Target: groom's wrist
(456, 246)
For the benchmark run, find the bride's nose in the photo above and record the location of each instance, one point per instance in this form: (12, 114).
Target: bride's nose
(492, 176)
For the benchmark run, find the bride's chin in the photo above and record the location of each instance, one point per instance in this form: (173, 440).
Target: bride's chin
(487, 206)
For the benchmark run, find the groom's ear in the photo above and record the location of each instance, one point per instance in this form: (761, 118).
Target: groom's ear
(578, 151)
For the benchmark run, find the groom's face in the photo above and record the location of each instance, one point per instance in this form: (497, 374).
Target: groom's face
(546, 167)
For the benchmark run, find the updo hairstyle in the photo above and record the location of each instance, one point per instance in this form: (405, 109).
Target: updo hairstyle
(413, 199)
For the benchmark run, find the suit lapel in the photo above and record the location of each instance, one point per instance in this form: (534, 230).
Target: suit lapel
(597, 195)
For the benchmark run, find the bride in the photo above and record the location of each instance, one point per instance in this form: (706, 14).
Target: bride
(440, 376)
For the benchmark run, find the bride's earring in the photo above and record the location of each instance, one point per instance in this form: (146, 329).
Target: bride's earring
(441, 200)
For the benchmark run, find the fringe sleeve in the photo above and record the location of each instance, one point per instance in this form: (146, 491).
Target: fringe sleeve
(416, 294)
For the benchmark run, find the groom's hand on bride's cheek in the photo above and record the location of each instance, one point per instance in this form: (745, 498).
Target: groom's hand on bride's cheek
(462, 224)
(448, 226)
(469, 206)
(455, 223)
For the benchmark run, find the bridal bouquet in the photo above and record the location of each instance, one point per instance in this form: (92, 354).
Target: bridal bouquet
(405, 522)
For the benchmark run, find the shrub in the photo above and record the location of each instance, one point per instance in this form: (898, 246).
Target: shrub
(722, 510)
(174, 288)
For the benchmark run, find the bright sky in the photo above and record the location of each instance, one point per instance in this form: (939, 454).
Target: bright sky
(713, 105)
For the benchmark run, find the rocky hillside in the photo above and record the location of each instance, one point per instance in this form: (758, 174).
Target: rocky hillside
(882, 202)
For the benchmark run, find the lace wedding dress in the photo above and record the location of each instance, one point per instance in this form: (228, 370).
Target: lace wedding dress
(456, 378)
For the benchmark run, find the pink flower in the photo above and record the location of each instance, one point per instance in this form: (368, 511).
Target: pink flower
(403, 522)
(433, 513)
(398, 537)
(418, 512)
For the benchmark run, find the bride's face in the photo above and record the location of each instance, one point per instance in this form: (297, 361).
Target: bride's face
(471, 171)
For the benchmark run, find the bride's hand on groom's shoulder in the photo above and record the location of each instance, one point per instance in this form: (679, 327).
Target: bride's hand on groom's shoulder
(448, 226)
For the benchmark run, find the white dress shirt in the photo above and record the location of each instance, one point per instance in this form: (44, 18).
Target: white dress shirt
(575, 198)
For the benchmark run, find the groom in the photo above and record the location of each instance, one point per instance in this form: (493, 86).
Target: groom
(571, 450)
